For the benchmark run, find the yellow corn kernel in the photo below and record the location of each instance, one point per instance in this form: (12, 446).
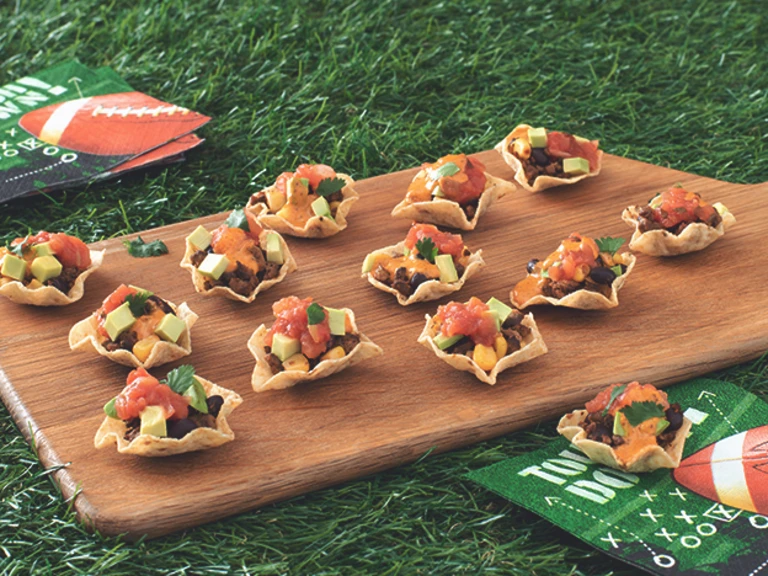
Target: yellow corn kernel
(143, 348)
(609, 260)
(500, 346)
(297, 362)
(617, 259)
(485, 357)
(334, 354)
(34, 284)
(521, 148)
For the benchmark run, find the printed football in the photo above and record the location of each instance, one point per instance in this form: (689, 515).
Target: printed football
(732, 471)
(127, 123)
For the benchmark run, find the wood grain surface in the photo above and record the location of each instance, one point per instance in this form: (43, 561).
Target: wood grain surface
(677, 318)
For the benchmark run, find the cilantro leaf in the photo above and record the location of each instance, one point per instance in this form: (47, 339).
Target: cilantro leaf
(639, 412)
(20, 248)
(315, 313)
(447, 169)
(610, 245)
(427, 248)
(615, 393)
(329, 186)
(180, 379)
(140, 249)
(137, 301)
(237, 219)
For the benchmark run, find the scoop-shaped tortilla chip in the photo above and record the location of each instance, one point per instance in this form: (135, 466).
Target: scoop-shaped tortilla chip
(112, 431)
(48, 295)
(583, 299)
(646, 459)
(531, 346)
(449, 213)
(84, 336)
(263, 378)
(431, 289)
(289, 265)
(316, 226)
(694, 237)
(542, 182)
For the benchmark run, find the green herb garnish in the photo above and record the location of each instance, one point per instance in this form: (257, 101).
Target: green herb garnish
(315, 314)
(615, 393)
(238, 220)
(639, 412)
(447, 169)
(137, 301)
(140, 249)
(20, 248)
(180, 379)
(610, 245)
(427, 248)
(329, 186)
(109, 409)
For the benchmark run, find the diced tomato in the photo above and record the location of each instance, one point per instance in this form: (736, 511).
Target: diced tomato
(143, 390)
(634, 392)
(111, 302)
(446, 242)
(315, 173)
(70, 251)
(467, 184)
(574, 251)
(562, 145)
(472, 319)
(253, 226)
(678, 205)
(291, 320)
(39, 238)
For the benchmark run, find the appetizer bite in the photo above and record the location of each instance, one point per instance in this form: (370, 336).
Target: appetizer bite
(238, 259)
(134, 327)
(427, 265)
(581, 273)
(631, 427)
(454, 191)
(46, 269)
(182, 413)
(542, 158)
(312, 202)
(482, 338)
(676, 222)
(306, 342)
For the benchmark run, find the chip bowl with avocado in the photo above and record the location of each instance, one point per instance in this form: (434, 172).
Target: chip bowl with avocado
(307, 341)
(136, 328)
(453, 191)
(312, 202)
(46, 269)
(182, 413)
(238, 260)
(484, 338)
(427, 265)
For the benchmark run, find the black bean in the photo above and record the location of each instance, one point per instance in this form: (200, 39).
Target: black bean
(418, 279)
(539, 156)
(531, 265)
(602, 275)
(180, 428)
(674, 417)
(214, 405)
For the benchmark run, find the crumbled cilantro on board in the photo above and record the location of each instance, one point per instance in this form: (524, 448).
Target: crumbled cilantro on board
(140, 249)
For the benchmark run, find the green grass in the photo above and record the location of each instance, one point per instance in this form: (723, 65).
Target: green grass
(371, 87)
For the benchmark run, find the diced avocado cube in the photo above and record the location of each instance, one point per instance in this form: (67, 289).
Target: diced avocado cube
(337, 321)
(200, 238)
(139, 289)
(153, 421)
(45, 267)
(274, 249)
(437, 192)
(447, 269)
(501, 310)
(213, 266)
(284, 346)
(43, 249)
(119, 320)
(406, 252)
(196, 395)
(444, 341)
(576, 166)
(661, 425)
(537, 137)
(321, 207)
(370, 260)
(170, 328)
(14, 267)
(109, 409)
(618, 429)
(304, 182)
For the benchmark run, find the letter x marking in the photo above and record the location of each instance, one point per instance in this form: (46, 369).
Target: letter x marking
(667, 535)
(646, 494)
(651, 515)
(678, 493)
(614, 541)
(684, 516)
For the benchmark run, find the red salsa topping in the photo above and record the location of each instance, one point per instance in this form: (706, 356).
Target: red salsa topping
(463, 187)
(445, 242)
(677, 205)
(634, 392)
(291, 320)
(70, 251)
(562, 145)
(143, 390)
(574, 252)
(473, 319)
(315, 173)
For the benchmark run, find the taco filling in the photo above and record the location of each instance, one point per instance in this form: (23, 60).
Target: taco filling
(674, 209)
(579, 263)
(44, 260)
(630, 418)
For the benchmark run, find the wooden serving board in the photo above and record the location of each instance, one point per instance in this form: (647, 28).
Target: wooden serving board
(678, 318)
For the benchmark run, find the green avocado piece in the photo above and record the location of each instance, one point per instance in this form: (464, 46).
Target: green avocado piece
(196, 395)
(501, 310)
(170, 328)
(337, 321)
(321, 207)
(537, 137)
(661, 425)
(200, 238)
(618, 429)
(14, 267)
(109, 409)
(45, 267)
(153, 421)
(575, 166)
(274, 249)
(444, 342)
(213, 266)
(447, 269)
(119, 320)
(43, 249)
(368, 263)
(437, 192)
(284, 346)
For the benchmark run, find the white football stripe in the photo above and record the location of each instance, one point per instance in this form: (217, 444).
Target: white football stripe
(60, 119)
(728, 473)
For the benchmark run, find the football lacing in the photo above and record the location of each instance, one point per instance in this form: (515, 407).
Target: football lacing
(139, 112)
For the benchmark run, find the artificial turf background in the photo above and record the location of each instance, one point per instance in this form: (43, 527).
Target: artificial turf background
(370, 87)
